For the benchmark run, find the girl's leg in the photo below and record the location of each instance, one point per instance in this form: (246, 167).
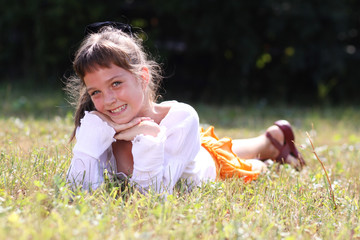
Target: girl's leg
(261, 148)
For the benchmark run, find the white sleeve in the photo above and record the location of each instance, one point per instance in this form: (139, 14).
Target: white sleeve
(148, 155)
(160, 161)
(93, 139)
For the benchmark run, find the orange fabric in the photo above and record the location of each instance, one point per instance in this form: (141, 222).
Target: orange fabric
(227, 163)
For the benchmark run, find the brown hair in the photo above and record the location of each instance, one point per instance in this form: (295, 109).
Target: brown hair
(101, 49)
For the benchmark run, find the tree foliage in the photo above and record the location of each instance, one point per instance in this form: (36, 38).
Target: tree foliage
(285, 50)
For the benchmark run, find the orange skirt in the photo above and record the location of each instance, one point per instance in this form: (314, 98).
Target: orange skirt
(228, 165)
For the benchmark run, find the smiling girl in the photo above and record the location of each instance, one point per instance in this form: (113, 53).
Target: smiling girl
(120, 128)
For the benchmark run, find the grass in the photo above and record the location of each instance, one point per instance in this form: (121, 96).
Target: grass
(35, 202)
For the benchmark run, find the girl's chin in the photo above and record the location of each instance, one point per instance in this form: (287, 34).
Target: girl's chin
(120, 121)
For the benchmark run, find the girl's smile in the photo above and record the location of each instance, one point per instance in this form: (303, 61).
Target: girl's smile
(117, 93)
(119, 109)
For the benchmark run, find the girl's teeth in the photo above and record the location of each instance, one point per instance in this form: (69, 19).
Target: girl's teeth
(119, 109)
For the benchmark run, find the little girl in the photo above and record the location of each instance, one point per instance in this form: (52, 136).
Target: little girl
(120, 128)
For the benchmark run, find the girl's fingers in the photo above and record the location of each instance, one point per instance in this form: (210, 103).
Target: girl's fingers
(146, 119)
(132, 123)
(145, 127)
(121, 127)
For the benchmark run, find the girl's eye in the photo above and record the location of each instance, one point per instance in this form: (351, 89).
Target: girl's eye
(115, 84)
(94, 93)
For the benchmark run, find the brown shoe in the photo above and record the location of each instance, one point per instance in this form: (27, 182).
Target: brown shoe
(288, 147)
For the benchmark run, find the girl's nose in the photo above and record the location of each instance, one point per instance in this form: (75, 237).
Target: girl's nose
(109, 97)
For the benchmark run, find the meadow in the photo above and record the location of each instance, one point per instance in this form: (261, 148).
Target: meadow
(35, 202)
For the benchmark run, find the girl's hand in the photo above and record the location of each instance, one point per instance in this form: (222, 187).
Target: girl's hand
(128, 131)
(146, 127)
(120, 127)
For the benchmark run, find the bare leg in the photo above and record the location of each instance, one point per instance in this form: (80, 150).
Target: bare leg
(260, 147)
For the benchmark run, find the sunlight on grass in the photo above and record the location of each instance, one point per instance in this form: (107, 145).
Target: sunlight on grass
(35, 202)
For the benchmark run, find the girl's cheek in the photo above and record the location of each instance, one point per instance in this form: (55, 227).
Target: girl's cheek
(97, 105)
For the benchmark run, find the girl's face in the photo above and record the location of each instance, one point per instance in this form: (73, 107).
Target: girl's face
(116, 93)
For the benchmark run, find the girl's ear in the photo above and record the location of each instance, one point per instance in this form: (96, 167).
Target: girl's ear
(145, 74)
(145, 77)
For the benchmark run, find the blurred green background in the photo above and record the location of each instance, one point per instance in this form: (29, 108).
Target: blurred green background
(263, 51)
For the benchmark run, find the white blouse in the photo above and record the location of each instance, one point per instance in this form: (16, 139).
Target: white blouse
(159, 162)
